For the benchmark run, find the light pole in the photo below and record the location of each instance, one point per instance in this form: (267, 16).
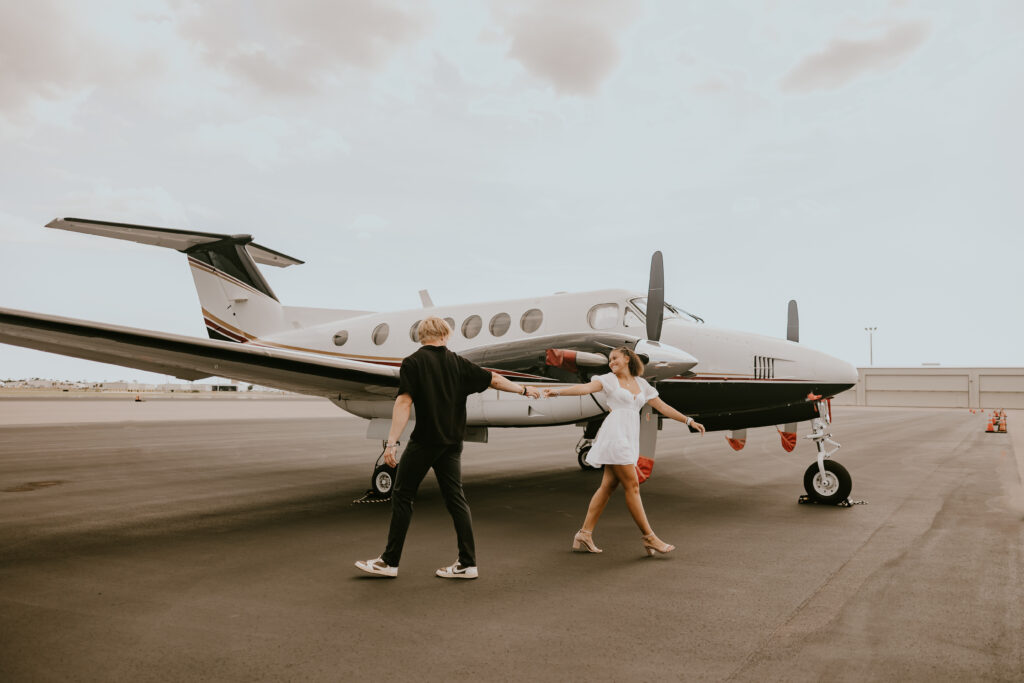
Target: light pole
(871, 343)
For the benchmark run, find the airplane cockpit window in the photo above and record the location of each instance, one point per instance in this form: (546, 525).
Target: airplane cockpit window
(603, 316)
(341, 338)
(631, 319)
(670, 311)
(500, 324)
(380, 333)
(531, 320)
(471, 326)
(412, 331)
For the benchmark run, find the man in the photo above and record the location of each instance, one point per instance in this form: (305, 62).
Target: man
(437, 381)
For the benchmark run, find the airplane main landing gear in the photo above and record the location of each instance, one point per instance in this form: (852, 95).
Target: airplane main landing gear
(381, 483)
(586, 441)
(826, 481)
(383, 480)
(582, 448)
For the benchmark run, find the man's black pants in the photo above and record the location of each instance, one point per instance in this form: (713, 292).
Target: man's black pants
(447, 463)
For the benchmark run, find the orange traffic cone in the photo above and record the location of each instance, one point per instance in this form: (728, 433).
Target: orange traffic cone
(990, 429)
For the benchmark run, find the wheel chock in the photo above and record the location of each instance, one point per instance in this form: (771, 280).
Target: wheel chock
(372, 496)
(845, 503)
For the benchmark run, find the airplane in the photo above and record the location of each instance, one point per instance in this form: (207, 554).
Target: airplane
(725, 379)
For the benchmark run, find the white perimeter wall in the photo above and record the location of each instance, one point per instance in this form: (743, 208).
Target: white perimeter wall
(937, 387)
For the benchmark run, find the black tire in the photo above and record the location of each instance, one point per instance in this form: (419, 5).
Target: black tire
(581, 458)
(834, 489)
(383, 479)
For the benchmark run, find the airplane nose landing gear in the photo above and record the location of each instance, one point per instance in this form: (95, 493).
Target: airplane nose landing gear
(831, 488)
(826, 481)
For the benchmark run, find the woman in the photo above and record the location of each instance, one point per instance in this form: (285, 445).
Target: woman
(617, 446)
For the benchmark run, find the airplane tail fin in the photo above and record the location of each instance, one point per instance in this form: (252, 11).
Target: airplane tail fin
(238, 303)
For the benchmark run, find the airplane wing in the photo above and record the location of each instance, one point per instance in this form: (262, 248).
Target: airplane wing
(192, 358)
(526, 355)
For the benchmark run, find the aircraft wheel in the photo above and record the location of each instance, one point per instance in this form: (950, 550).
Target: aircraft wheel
(831, 489)
(581, 458)
(383, 479)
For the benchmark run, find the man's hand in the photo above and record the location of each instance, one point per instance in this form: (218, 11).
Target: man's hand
(390, 453)
(532, 392)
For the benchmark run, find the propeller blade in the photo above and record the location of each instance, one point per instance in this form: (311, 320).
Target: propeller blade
(656, 298)
(793, 324)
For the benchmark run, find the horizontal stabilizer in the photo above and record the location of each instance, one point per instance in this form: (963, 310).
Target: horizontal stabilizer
(180, 240)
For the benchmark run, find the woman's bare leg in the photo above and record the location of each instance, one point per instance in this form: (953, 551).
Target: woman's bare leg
(600, 498)
(631, 485)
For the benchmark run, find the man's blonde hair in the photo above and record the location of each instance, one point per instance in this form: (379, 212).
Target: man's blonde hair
(432, 329)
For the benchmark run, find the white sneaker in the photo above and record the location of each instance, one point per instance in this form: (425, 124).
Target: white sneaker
(378, 567)
(457, 571)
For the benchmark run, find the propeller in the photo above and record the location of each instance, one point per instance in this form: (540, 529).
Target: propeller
(788, 432)
(655, 317)
(793, 323)
(656, 297)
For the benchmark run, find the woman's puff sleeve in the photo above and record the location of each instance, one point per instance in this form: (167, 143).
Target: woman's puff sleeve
(649, 391)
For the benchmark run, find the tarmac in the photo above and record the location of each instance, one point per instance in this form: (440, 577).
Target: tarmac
(220, 546)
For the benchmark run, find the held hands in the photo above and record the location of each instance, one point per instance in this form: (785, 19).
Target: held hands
(548, 392)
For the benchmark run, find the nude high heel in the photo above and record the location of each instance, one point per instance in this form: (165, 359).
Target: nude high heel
(583, 542)
(653, 544)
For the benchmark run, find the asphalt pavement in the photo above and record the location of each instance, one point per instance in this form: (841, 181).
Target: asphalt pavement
(179, 548)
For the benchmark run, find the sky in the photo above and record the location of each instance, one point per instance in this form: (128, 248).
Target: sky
(862, 158)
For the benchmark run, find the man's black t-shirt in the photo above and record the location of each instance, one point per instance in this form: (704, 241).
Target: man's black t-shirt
(439, 380)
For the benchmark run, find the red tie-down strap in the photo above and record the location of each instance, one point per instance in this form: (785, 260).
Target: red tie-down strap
(644, 467)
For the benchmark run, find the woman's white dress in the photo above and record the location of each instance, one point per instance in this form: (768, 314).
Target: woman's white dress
(618, 440)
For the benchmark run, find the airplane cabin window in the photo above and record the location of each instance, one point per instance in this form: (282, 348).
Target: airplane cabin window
(603, 316)
(451, 323)
(380, 334)
(412, 331)
(341, 338)
(531, 320)
(500, 324)
(471, 326)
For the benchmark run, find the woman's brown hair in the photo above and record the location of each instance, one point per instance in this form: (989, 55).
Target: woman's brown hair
(636, 366)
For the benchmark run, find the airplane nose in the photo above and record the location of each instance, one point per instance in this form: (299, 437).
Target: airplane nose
(837, 371)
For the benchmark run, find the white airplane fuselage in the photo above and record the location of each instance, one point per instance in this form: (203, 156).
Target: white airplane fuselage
(745, 373)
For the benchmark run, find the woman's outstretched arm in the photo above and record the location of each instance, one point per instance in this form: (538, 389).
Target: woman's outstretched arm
(591, 387)
(668, 411)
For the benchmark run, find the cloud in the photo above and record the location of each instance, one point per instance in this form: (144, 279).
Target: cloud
(265, 141)
(139, 205)
(292, 47)
(572, 44)
(367, 226)
(844, 60)
(41, 55)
